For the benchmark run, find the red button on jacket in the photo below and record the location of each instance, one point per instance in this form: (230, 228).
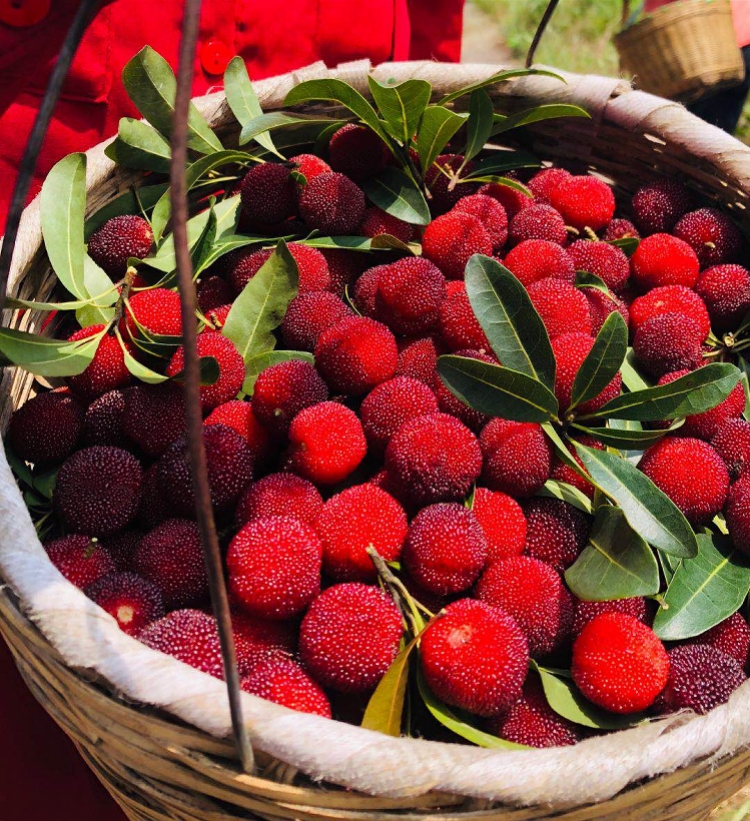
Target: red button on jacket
(41, 777)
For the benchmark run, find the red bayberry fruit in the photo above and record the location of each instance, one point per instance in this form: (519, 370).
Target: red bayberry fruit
(601, 305)
(732, 442)
(556, 532)
(267, 195)
(311, 264)
(258, 639)
(217, 317)
(446, 549)
(357, 151)
(737, 513)
(585, 611)
(457, 325)
(280, 494)
(354, 520)
(283, 390)
(475, 657)
(366, 290)
(606, 261)
(281, 680)
(658, 205)
(619, 663)
(153, 508)
(308, 315)
(98, 490)
(440, 182)
(356, 354)
(157, 311)
(731, 637)
(332, 204)
(517, 457)
(502, 520)
(47, 428)
(344, 268)
(511, 199)
(326, 443)
(490, 213)
(239, 416)
(107, 370)
(274, 567)
(130, 599)
(691, 473)
(433, 458)
(620, 229)
(409, 295)
(81, 559)
(545, 181)
(661, 259)
(171, 557)
(584, 202)
(704, 425)
(417, 358)
(377, 222)
(102, 424)
(563, 308)
(532, 722)
(669, 342)
(310, 165)
(712, 235)
(726, 291)
(532, 593)
(670, 299)
(538, 221)
(190, 636)
(350, 636)
(700, 678)
(536, 259)
(118, 239)
(449, 241)
(570, 352)
(122, 547)
(154, 416)
(213, 292)
(392, 403)
(229, 463)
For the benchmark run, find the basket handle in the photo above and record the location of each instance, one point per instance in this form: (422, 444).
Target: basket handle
(546, 17)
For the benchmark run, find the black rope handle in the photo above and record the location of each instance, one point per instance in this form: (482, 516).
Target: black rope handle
(82, 18)
(546, 17)
(193, 415)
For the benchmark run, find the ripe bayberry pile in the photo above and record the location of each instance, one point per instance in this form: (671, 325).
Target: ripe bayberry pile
(365, 450)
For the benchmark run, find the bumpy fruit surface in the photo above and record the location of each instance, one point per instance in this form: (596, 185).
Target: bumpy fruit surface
(449, 241)
(130, 599)
(118, 239)
(556, 532)
(517, 457)
(280, 494)
(392, 403)
(107, 370)
(283, 390)
(81, 559)
(283, 681)
(502, 520)
(190, 636)
(332, 204)
(47, 428)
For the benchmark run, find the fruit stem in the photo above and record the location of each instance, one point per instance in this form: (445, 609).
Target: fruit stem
(127, 284)
(398, 593)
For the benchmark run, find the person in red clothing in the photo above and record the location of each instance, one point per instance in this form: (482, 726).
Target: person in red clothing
(41, 776)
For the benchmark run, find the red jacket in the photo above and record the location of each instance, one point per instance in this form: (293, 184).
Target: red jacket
(41, 777)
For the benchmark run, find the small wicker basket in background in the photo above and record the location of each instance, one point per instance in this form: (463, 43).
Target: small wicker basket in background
(682, 49)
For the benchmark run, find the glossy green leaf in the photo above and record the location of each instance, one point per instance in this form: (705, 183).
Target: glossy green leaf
(201, 250)
(603, 361)
(150, 83)
(513, 327)
(500, 161)
(632, 378)
(347, 243)
(704, 590)
(130, 202)
(566, 700)
(232, 242)
(627, 439)
(398, 195)
(340, 92)
(448, 718)
(243, 101)
(261, 306)
(498, 77)
(385, 709)
(585, 279)
(480, 122)
(562, 448)
(265, 123)
(554, 489)
(99, 309)
(401, 106)
(550, 111)
(138, 145)
(615, 564)
(257, 364)
(695, 392)
(438, 126)
(63, 202)
(627, 245)
(650, 512)
(43, 356)
(493, 179)
(496, 390)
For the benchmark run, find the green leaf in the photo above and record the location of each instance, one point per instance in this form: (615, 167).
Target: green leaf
(20, 469)
(398, 195)
(261, 306)
(128, 203)
(348, 243)
(98, 309)
(445, 715)
(227, 244)
(45, 480)
(627, 245)
(402, 105)
(501, 161)
(513, 327)
(480, 122)
(704, 590)
(554, 489)
(566, 700)
(496, 390)
(150, 83)
(43, 356)
(508, 182)
(632, 378)
(257, 364)
(264, 123)
(498, 77)
(626, 438)
(438, 126)
(695, 392)
(585, 279)
(140, 146)
(616, 563)
(243, 101)
(340, 92)
(385, 709)
(650, 512)
(63, 201)
(537, 114)
(602, 362)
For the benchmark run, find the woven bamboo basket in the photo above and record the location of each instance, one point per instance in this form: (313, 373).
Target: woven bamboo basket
(156, 732)
(682, 50)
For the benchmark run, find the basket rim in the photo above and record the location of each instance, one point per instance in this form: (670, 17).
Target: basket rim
(334, 751)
